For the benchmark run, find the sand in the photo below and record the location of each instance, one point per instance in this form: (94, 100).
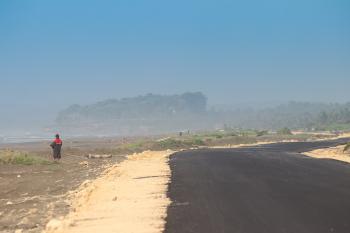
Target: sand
(250, 144)
(330, 153)
(129, 197)
(343, 135)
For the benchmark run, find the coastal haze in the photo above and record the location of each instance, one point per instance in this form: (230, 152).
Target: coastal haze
(238, 55)
(187, 116)
(153, 114)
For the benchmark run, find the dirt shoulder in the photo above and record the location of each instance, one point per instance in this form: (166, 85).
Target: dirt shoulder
(336, 153)
(128, 197)
(31, 195)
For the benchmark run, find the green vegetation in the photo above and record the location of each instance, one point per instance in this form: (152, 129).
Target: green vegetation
(284, 131)
(135, 146)
(207, 139)
(294, 115)
(261, 133)
(171, 143)
(197, 142)
(334, 127)
(20, 157)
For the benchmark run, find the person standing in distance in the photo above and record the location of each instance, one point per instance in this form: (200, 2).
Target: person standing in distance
(56, 146)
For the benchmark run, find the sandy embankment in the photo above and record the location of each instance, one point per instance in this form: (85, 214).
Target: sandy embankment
(128, 197)
(336, 153)
(343, 135)
(244, 145)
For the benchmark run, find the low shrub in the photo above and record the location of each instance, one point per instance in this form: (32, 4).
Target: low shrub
(21, 158)
(284, 131)
(169, 143)
(195, 142)
(261, 133)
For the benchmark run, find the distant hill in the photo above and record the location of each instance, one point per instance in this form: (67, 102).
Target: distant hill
(145, 113)
(142, 107)
(153, 114)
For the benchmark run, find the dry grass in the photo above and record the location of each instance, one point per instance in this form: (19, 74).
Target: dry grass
(20, 157)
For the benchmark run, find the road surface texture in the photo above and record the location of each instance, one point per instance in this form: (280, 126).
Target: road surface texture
(262, 189)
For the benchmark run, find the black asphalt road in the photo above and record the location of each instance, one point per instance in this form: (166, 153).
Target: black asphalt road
(263, 189)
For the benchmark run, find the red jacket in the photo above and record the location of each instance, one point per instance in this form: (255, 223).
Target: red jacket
(58, 141)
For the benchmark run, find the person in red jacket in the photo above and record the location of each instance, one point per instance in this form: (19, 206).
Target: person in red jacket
(56, 146)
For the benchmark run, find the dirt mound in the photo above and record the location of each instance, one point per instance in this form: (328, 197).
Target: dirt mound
(336, 153)
(128, 197)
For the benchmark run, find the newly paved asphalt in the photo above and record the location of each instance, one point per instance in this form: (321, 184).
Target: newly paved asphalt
(262, 189)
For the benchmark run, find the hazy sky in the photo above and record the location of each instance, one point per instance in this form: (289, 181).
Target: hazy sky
(55, 53)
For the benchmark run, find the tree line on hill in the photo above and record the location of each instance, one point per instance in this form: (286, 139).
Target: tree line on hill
(164, 113)
(142, 107)
(295, 115)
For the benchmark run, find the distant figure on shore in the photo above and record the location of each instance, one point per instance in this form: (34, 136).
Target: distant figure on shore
(56, 146)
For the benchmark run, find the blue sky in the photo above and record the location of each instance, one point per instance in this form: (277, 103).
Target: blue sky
(56, 53)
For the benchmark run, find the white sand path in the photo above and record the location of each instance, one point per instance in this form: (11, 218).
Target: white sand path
(129, 197)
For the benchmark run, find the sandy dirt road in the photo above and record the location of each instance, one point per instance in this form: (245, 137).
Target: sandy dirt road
(129, 197)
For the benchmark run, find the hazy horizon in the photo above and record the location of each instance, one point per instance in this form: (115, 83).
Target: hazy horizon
(238, 53)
